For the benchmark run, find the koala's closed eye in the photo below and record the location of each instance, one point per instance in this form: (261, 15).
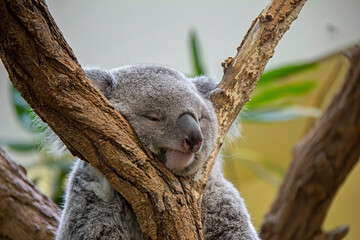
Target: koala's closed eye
(153, 117)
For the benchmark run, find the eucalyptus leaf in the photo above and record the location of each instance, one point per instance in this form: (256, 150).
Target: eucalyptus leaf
(195, 53)
(269, 174)
(256, 162)
(267, 95)
(58, 196)
(22, 108)
(20, 146)
(280, 114)
(24, 112)
(279, 73)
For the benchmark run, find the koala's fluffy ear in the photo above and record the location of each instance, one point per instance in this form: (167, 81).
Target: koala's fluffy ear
(102, 79)
(205, 85)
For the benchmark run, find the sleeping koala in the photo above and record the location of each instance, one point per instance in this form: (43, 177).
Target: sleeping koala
(172, 116)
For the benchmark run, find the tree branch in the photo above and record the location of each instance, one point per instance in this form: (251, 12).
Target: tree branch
(44, 69)
(242, 72)
(322, 160)
(25, 213)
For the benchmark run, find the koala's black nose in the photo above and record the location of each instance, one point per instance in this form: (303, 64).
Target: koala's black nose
(191, 133)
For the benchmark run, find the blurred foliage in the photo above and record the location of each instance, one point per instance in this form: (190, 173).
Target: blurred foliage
(198, 66)
(48, 172)
(271, 101)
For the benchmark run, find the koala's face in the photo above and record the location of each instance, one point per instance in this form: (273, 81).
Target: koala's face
(167, 112)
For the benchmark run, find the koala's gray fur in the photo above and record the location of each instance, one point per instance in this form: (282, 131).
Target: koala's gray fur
(173, 116)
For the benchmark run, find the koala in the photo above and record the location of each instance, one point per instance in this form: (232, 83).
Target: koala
(173, 117)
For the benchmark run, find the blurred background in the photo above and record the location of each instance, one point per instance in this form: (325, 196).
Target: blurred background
(195, 36)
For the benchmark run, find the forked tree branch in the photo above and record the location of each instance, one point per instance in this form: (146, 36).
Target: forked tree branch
(44, 69)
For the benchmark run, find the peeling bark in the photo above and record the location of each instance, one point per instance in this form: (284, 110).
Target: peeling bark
(25, 213)
(321, 162)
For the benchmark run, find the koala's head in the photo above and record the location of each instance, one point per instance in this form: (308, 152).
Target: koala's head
(171, 114)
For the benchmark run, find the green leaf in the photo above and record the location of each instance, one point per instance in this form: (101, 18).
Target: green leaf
(265, 169)
(280, 114)
(22, 108)
(258, 164)
(282, 72)
(24, 112)
(195, 53)
(267, 95)
(20, 146)
(58, 196)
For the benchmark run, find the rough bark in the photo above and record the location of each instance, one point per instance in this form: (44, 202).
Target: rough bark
(321, 162)
(25, 213)
(44, 69)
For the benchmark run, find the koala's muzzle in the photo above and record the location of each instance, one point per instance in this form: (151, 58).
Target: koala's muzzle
(192, 137)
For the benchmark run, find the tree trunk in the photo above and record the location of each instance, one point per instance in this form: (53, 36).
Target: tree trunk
(44, 69)
(25, 213)
(322, 160)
